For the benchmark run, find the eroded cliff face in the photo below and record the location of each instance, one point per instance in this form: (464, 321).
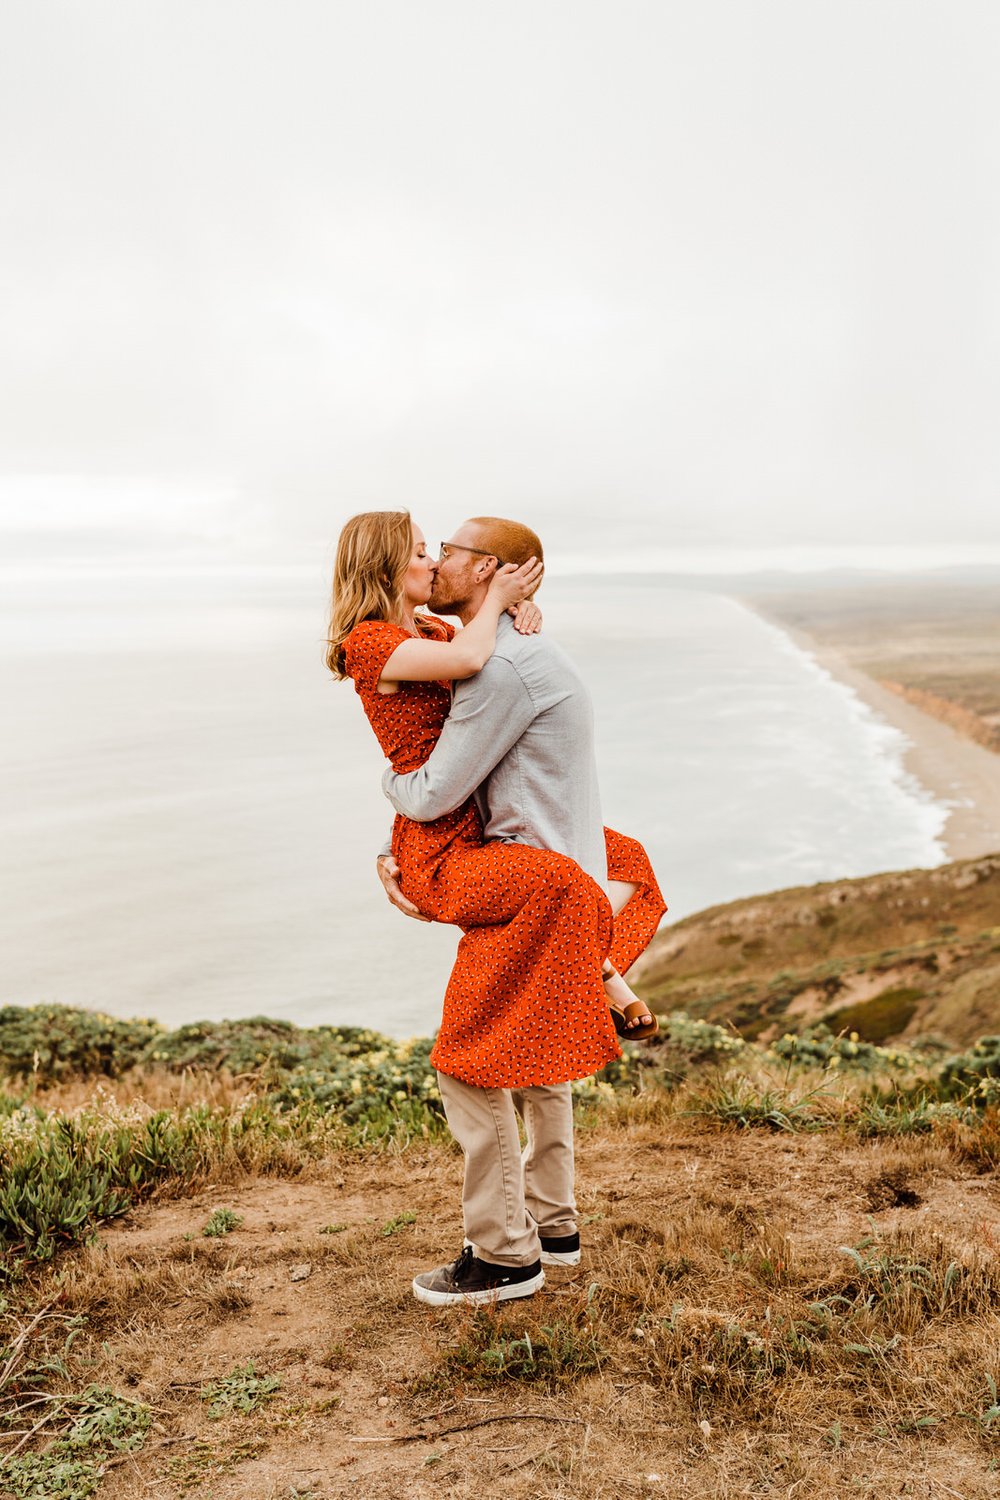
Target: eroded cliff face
(896, 955)
(983, 727)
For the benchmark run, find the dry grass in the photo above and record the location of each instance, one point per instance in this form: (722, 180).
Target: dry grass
(717, 1335)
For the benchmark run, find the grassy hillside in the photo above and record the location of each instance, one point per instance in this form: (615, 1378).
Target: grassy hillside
(908, 955)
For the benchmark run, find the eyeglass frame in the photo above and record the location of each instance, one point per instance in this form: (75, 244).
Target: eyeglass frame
(480, 551)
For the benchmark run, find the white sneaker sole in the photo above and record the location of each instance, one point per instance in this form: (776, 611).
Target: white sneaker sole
(490, 1294)
(560, 1257)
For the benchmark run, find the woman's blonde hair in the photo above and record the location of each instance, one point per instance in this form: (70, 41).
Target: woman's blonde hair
(373, 554)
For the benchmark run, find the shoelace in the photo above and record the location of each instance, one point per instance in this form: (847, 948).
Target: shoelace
(463, 1265)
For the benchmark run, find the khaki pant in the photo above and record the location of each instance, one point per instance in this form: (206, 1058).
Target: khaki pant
(509, 1194)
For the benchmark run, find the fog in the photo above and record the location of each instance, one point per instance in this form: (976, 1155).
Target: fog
(715, 275)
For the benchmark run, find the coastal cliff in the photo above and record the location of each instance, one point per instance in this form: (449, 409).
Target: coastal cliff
(935, 642)
(902, 956)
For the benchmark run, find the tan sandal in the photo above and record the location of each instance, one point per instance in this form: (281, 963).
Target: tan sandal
(621, 1019)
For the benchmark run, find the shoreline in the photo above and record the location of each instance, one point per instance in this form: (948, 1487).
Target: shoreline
(960, 775)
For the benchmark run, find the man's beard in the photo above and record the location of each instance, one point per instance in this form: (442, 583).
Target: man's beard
(447, 597)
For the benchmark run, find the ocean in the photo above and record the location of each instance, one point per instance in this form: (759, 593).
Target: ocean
(191, 808)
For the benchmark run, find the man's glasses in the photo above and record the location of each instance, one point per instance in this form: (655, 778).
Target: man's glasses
(445, 547)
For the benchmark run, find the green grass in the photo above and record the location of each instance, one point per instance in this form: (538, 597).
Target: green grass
(906, 1282)
(896, 1114)
(83, 1433)
(241, 1391)
(883, 1016)
(223, 1221)
(746, 1104)
(61, 1174)
(987, 1420)
(499, 1347)
(204, 1461)
(401, 1221)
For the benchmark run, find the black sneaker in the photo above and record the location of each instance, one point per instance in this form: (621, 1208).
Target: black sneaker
(469, 1279)
(561, 1250)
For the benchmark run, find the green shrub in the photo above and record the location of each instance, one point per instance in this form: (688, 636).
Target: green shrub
(60, 1174)
(242, 1390)
(975, 1073)
(881, 1017)
(365, 1085)
(258, 1044)
(818, 1047)
(700, 1041)
(52, 1042)
(223, 1221)
(101, 1425)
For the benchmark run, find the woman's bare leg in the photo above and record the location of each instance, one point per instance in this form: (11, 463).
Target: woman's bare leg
(621, 994)
(618, 992)
(620, 891)
(615, 987)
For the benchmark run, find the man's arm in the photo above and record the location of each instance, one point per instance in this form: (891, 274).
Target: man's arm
(490, 714)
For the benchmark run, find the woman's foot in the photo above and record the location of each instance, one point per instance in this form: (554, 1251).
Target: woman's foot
(631, 1015)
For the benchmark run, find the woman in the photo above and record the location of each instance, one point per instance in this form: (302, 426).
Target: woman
(543, 926)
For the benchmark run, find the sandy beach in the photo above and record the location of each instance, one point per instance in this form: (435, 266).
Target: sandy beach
(957, 772)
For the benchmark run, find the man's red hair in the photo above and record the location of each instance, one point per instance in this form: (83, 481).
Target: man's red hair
(508, 540)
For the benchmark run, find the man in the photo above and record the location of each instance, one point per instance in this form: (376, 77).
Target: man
(520, 739)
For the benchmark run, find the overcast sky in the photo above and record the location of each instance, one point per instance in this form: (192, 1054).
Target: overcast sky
(735, 266)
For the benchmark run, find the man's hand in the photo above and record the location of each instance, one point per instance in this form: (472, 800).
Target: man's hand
(389, 873)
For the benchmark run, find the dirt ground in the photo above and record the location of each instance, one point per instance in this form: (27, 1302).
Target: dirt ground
(313, 1287)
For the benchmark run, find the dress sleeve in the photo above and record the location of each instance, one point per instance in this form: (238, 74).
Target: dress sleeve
(368, 648)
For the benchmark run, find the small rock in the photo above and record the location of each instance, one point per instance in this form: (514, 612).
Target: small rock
(383, 1401)
(300, 1273)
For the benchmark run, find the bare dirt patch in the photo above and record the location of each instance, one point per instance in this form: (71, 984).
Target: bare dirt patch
(663, 1365)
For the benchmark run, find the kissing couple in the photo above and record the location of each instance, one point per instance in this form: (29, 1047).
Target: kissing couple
(490, 737)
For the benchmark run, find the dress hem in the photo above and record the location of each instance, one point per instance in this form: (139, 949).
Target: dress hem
(476, 1081)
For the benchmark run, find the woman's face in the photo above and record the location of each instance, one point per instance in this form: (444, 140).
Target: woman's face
(419, 580)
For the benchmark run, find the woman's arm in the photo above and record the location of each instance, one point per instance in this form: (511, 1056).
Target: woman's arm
(471, 649)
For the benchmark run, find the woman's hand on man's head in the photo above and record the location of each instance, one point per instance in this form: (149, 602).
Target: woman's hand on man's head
(512, 584)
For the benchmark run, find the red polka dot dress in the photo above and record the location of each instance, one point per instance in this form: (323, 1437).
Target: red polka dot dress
(525, 1003)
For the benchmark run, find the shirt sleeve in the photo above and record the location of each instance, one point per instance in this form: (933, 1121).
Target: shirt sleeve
(489, 715)
(368, 648)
